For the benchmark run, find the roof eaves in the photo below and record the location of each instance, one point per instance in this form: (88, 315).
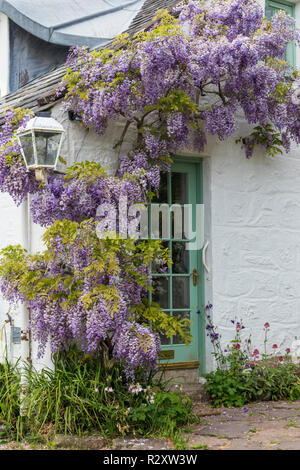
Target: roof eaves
(41, 93)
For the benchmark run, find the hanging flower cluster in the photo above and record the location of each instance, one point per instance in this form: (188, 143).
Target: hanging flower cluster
(175, 85)
(172, 85)
(183, 79)
(92, 291)
(77, 195)
(14, 179)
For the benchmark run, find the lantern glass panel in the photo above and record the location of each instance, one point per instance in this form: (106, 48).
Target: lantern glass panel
(27, 147)
(47, 145)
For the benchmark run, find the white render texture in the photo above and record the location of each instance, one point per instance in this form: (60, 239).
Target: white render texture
(255, 243)
(4, 55)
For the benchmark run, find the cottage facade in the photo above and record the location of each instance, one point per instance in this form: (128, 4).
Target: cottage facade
(249, 266)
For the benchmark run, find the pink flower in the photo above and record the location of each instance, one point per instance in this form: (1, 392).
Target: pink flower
(237, 346)
(288, 350)
(255, 353)
(274, 346)
(267, 325)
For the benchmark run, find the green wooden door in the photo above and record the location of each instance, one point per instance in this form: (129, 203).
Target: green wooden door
(177, 291)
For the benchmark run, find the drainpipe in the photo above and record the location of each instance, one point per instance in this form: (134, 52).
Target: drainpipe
(25, 316)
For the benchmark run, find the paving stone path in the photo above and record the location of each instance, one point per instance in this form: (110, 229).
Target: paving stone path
(257, 426)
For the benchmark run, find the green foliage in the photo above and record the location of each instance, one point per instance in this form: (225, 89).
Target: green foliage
(266, 381)
(83, 395)
(225, 388)
(8, 149)
(269, 381)
(241, 378)
(168, 411)
(166, 324)
(176, 101)
(90, 171)
(265, 136)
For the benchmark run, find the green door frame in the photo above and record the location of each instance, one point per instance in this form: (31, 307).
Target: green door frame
(197, 353)
(201, 284)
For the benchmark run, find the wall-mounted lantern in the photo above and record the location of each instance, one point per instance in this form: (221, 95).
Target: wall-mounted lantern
(40, 142)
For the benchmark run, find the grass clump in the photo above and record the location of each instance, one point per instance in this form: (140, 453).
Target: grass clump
(84, 395)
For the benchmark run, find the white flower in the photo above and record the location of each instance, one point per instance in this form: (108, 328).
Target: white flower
(135, 389)
(151, 399)
(109, 389)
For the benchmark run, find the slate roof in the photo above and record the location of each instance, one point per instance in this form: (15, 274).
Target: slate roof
(145, 16)
(41, 93)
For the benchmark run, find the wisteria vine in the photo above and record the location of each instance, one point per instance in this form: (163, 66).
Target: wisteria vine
(191, 74)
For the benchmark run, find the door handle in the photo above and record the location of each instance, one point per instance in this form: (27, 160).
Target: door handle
(195, 277)
(204, 261)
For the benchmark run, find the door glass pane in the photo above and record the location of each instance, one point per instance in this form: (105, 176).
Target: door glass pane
(177, 221)
(181, 292)
(179, 188)
(179, 315)
(161, 291)
(180, 258)
(158, 268)
(163, 190)
(165, 340)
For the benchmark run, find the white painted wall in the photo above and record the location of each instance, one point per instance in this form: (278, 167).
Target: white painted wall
(10, 234)
(255, 236)
(4, 55)
(254, 218)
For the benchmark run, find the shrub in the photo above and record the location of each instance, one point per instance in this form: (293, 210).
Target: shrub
(225, 388)
(243, 374)
(272, 382)
(264, 382)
